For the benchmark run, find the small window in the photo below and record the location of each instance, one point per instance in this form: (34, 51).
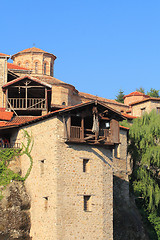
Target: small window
(36, 67)
(87, 203)
(51, 69)
(107, 125)
(45, 203)
(86, 165)
(44, 68)
(42, 166)
(117, 151)
(143, 110)
(63, 103)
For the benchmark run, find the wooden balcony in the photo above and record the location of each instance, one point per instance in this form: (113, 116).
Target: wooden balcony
(26, 104)
(8, 145)
(86, 135)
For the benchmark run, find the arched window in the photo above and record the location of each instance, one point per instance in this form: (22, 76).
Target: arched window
(36, 67)
(44, 68)
(19, 63)
(51, 69)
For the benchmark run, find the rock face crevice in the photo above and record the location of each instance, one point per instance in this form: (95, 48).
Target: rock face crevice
(127, 224)
(14, 213)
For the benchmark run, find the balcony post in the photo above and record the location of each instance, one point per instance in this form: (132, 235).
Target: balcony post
(26, 96)
(82, 128)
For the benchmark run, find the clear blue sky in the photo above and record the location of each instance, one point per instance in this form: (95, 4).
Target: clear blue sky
(101, 46)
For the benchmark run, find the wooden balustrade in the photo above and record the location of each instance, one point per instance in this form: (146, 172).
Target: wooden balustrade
(9, 145)
(76, 134)
(29, 103)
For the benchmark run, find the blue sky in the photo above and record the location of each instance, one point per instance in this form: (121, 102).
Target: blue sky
(101, 46)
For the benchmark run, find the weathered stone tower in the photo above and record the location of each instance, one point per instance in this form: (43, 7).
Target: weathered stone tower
(35, 59)
(3, 75)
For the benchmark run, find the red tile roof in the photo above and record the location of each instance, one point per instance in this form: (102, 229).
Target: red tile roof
(145, 100)
(33, 49)
(126, 128)
(16, 67)
(128, 116)
(5, 55)
(136, 93)
(5, 116)
(17, 121)
(2, 109)
(90, 96)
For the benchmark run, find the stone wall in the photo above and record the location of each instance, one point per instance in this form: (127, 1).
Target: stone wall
(57, 186)
(139, 109)
(3, 79)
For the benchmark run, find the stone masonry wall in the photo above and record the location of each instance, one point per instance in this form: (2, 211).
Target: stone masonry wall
(148, 106)
(3, 79)
(57, 186)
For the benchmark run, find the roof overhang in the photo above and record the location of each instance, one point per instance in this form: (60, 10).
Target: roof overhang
(25, 77)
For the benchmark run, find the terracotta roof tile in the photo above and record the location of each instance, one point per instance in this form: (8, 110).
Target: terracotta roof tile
(17, 121)
(145, 100)
(5, 55)
(128, 116)
(136, 93)
(6, 115)
(49, 79)
(14, 66)
(33, 49)
(124, 127)
(90, 96)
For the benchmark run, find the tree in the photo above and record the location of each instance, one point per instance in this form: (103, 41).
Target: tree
(153, 93)
(141, 89)
(119, 97)
(144, 149)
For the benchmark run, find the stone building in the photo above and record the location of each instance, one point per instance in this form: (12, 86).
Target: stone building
(79, 146)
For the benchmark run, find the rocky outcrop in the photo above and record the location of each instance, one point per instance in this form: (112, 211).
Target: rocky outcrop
(14, 213)
(127, 224)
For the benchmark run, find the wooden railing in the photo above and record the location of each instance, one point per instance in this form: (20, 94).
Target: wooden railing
(29, 103)
(9, 145)
(76, 134)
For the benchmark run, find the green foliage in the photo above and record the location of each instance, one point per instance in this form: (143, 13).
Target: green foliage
(144, 148)
(141, 89)
(119, 97)
(153, 93)
(9, 154)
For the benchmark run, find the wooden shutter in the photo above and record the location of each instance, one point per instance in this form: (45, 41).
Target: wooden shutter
(114, 126)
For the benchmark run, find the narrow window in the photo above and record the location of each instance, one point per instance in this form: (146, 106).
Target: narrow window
(44, 68)
(117, 151)
(51, 69)
(42, 166)
(86, 165)
(36, 67)
(45, 203)
(143, 110)
(87, 203)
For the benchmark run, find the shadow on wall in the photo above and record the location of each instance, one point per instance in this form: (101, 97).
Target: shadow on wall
(127, 223)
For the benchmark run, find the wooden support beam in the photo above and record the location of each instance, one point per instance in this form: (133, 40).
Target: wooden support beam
(89, 137)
